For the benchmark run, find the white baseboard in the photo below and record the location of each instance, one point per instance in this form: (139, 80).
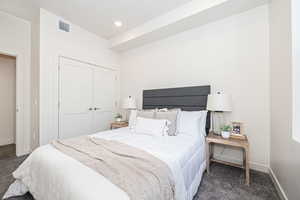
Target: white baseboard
(19, 154)
(278, 187)
(253, 165)
(22, 152)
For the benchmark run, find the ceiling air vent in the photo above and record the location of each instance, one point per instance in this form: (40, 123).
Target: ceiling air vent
(64, 26)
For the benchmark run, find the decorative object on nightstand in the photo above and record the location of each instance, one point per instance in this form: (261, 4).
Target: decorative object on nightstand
(129, 103)
(217, 103)
(118, 117)
(237, 131)
(212, 139)
(226, 131)
(116, 125)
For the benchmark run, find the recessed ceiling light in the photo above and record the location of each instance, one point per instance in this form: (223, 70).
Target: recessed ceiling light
(118, 23)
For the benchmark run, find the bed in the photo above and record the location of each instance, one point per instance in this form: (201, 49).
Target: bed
(49, 174)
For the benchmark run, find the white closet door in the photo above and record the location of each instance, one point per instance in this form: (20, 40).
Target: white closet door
(104, 98)
(76, 99)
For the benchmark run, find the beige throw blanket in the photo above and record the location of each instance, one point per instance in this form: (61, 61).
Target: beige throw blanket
(138, 173)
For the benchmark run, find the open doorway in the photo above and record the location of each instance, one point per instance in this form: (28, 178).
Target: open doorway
(7, 106)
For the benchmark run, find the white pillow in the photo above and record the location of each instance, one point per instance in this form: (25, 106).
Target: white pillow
(139, 113)
(192, 122)
(202, 123)
(132, 119)
(155, 127)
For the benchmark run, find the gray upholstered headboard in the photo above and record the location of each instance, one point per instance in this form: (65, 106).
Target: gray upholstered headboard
(186, 98)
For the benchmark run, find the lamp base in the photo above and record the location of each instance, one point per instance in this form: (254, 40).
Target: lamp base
(218, 121)
(215, 133)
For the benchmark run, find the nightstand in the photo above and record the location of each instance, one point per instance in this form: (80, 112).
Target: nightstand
(212, 139)
(116, 125)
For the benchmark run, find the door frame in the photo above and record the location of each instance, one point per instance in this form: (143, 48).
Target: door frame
(86, 63)
(22, 147)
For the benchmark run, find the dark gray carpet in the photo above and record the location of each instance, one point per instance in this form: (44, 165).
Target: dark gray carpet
(227, 183)
(223, 183)
(7, 151)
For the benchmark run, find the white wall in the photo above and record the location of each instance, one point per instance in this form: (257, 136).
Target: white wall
(35, 64)
(285, 159)
(295, 20)
(7, 100)
(15, 40)
(231, 55)
(78, 44)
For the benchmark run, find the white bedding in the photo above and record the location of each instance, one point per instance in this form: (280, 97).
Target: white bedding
(49, 174)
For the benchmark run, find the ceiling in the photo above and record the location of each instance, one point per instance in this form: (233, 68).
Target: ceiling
(96, 16)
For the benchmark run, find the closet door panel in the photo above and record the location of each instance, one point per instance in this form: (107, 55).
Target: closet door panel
(76, 99)
(104, 98)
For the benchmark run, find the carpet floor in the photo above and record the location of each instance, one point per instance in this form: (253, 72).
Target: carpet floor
(223, 183)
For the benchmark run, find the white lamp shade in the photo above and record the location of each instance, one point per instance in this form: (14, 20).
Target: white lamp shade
(129, 103)
(219, 102)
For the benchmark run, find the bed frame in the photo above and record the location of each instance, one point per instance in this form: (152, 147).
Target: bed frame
(186, 98)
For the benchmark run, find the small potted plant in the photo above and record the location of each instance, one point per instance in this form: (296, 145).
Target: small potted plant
(118, 117)
(225, 131)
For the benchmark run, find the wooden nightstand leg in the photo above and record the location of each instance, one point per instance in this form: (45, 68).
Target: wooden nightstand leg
(247, 167)
(244, 158)
(211, 150)
(208, 157)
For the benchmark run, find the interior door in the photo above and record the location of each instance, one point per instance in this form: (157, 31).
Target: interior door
(104, 98)
(76, 99)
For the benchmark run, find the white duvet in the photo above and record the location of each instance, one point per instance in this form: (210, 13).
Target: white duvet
(51, 175)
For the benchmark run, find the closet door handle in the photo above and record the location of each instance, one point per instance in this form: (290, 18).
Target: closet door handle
(97, 108)
(90, 109)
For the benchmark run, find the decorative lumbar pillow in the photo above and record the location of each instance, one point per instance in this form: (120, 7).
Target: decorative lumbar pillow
(154, 127)
(171, 116)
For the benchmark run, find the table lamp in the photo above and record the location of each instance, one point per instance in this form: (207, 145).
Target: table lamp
(218, 103)
(129, 103)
